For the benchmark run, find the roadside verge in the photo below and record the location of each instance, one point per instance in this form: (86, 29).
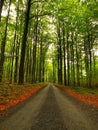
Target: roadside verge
(26, 93)
(91, 99)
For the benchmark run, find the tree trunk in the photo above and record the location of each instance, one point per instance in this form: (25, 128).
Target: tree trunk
(86, 60)
(43, 69)
(16, 60)
(54, 70)
(13, 50)
(64, 54)
(72, 59)
(3, 45)
(27, 64)
(77, 64)
(24, 40)
(40, 64)
(35, 49)
(30, 65)
(68, 66)
(90, 59)
(59, 57)
(17, 45)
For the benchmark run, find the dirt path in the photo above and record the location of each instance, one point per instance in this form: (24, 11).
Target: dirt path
(52, 109)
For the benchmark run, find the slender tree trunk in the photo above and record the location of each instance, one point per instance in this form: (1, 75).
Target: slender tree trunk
(58, 53)
(13, 50)
(86, 59)
(81, 68)
(43, 69)
(59, 57)
(12, 65)
(37, 66)
(16, 60)
(24, 40)
(58, 62)
(72, 59)
(68, 66)
(27, 64)
(40, 64)
(34, 64)
(90, 59)
(30, 65)
(17, 44)
(77, 65)
(35, 49)
(64, 54)
(3, 44)
(53, 71)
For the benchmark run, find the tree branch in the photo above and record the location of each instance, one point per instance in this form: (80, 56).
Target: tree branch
(44, 14)
(37, 1)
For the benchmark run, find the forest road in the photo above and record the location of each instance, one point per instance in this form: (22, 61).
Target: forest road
(52, 109)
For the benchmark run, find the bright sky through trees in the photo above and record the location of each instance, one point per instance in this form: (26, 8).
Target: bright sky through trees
(12, 12)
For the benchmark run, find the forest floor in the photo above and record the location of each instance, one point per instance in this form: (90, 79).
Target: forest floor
(11, 94)
(87, 95)
(50, 109)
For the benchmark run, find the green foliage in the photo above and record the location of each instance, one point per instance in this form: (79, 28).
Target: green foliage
(84, 90)
(78, 19)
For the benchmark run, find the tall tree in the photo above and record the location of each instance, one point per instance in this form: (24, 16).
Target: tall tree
(3, 44)
(59, 55)
(64, 51)
(24, 39)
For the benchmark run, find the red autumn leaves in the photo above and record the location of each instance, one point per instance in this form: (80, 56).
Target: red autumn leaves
(26, 92)
(87, 98)
(25, 95)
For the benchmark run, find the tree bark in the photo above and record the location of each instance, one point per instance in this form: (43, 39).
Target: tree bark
(59, 57)
(77, 64)
(35, 48)
(3, 44)
(17, 45)
(16, 60)
(64, 49)
(24, 40)
(68, 66)
(40, 64)
(72, 58)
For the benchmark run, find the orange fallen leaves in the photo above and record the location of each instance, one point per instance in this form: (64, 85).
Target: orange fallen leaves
(29, 92)
(90, 99)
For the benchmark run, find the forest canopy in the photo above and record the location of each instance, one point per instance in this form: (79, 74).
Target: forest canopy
(49, 40)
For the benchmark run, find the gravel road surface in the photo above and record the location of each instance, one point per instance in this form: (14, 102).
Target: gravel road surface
(51, 109)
